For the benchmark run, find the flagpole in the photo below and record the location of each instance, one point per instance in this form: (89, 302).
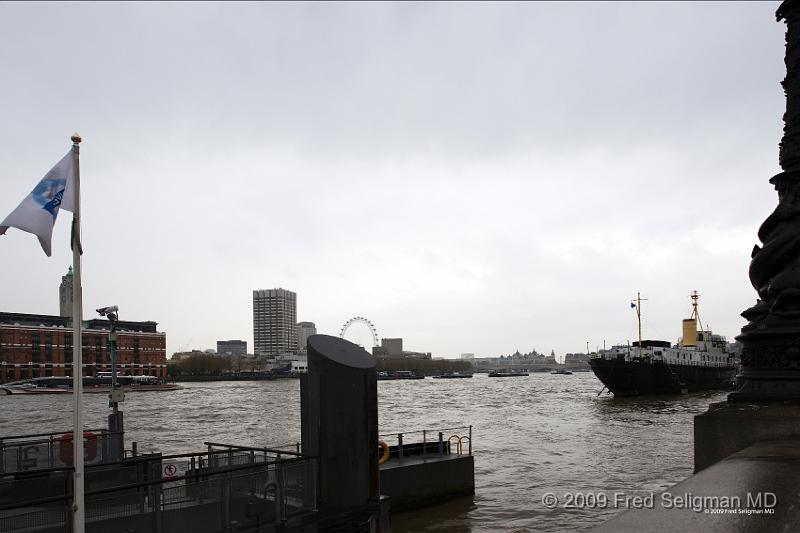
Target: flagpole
(78, 513)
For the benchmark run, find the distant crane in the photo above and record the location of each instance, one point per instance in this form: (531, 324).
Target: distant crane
(184, 346)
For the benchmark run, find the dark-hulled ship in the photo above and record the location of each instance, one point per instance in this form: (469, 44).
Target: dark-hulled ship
(700, 361)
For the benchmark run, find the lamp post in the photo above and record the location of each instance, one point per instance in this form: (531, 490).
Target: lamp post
(766, 403)
(116, 428)
(771, 340)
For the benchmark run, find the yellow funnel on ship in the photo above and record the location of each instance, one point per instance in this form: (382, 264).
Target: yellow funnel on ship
(690, 332)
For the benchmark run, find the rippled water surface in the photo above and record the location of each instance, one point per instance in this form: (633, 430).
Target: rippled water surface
(531, 435)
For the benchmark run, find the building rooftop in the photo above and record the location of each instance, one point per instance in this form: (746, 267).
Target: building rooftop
(54, 321)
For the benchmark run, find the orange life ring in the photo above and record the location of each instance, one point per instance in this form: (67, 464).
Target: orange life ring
(66, 451)
(384, 452)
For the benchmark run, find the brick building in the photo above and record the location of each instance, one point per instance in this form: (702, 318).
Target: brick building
(41, 345)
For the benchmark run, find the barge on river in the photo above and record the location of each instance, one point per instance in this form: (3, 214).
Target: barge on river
(96, 384)
(502, 374)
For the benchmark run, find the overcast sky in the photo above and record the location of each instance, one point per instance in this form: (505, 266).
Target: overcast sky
(472, 177)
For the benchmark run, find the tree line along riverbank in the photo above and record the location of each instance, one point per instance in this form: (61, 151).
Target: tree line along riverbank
(210, 367)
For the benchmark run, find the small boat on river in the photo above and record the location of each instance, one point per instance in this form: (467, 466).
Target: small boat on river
(399, 374)
(501, 374)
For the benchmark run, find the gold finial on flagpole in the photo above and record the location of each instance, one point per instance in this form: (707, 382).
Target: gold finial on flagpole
(76, 138)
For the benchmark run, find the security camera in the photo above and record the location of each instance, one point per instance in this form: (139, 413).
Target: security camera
(108, 310)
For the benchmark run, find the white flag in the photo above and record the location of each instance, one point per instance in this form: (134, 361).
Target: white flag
(37, 212)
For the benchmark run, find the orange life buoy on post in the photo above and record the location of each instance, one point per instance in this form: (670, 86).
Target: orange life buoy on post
(384, 452)
(66, 451)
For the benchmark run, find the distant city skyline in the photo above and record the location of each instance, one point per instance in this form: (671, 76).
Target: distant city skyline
(473, 177)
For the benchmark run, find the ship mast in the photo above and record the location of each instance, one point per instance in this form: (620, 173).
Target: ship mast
(638, 304)
(696, 314)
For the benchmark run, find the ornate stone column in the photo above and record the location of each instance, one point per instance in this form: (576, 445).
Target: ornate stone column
(766, 404)
(771, 356)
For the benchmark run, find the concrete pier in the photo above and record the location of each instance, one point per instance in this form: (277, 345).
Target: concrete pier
(420, 481)
(753, 491)
(728, 427)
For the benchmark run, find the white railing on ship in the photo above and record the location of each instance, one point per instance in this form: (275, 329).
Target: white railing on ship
(714, 364)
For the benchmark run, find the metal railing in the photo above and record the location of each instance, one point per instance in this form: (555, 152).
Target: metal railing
(438, 442)
(688, 362)
(674, 362)
(23, 453)
(230, 486)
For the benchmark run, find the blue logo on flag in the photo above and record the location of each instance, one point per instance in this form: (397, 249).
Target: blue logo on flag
(53, 205)
(49, 193)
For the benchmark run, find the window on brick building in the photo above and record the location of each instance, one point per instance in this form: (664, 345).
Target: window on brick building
(35, 354)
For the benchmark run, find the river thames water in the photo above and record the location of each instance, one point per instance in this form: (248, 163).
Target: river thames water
(531, 435)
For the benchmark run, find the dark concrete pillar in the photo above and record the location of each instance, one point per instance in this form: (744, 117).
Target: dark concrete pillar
(339, 404)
